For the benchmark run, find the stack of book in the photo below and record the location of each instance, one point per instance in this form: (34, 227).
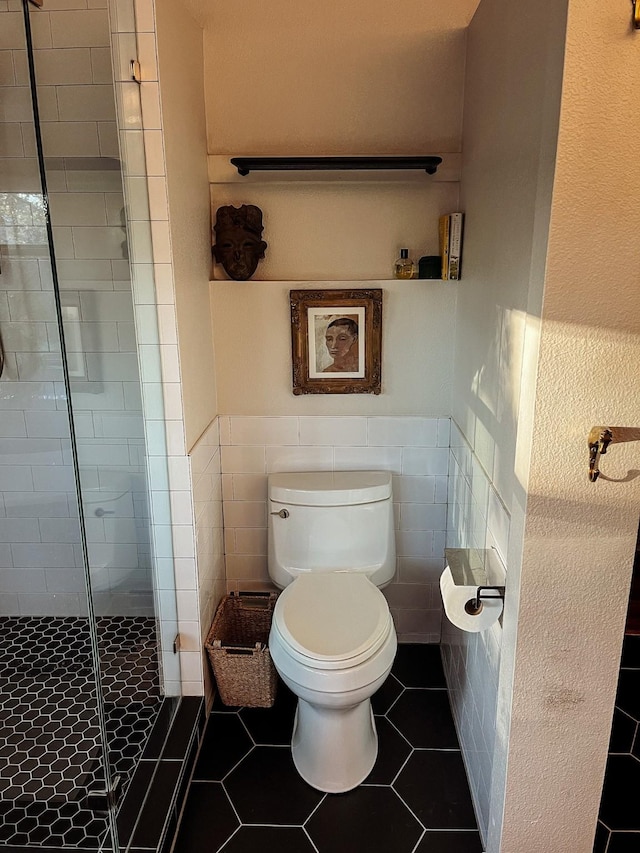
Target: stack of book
(450, 227)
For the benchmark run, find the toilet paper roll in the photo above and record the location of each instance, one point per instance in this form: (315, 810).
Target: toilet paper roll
(454, 599)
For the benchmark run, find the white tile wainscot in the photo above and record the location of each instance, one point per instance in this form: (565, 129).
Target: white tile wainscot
(209, 577)
(414, 449)
(477, 519)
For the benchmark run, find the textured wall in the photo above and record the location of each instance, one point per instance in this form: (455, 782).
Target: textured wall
(579, 536)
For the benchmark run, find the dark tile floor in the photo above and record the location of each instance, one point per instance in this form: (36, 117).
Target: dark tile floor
(50, 739)
(619, 819)
(246, 796)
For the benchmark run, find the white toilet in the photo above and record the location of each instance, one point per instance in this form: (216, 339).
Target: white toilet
(331, 545)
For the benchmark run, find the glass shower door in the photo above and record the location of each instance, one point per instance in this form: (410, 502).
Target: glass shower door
(52, 733)
(80, 674)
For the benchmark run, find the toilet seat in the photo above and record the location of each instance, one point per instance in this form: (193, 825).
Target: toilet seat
(333, 620)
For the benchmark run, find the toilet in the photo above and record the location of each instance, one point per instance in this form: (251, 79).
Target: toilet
(332, 640)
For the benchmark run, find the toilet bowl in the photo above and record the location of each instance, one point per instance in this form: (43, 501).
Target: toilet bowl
(331, 547)
(333, 643)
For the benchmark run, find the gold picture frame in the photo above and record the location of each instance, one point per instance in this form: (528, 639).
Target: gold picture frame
(336, 338)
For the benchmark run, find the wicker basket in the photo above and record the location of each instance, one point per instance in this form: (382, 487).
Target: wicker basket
(237, 645)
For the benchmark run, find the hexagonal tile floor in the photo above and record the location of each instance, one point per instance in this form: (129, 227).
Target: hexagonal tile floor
(246, 795)
(50, 743)
(618, 821)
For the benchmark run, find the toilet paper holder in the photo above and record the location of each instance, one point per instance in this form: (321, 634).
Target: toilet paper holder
(474, 605)
(479, 567)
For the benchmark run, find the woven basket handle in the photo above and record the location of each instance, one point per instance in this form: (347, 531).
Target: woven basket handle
(256, 600)
(239, 649)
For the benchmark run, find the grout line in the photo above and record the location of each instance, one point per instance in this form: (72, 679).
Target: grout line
(224, 843)
(246, 728)
(315, 810)
(410, 810)
(424, 832)
(311, 841)
(235, 811)
(246, 755)
(403, 736)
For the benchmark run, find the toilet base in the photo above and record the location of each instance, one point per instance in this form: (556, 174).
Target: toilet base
(334, 749)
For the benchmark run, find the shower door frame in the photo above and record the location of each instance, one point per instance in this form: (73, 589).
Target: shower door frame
(168, 610)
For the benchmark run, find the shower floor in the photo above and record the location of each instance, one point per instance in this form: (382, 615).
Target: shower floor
(50, 742)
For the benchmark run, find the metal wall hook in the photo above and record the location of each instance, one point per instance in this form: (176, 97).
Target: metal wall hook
(600, 437)
(635, 20)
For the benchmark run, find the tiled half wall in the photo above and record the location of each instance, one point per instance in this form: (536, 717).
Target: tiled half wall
(477, 519)
(414, 449)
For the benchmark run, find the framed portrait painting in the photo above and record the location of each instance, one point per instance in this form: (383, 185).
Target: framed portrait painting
(336, 340)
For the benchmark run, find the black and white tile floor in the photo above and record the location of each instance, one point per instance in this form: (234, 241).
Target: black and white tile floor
(50, 740)
(246, 796)
(619, 820)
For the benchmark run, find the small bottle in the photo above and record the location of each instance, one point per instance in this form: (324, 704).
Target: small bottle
(404, 267)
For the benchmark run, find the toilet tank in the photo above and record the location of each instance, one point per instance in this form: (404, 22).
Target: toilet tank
(324, 521)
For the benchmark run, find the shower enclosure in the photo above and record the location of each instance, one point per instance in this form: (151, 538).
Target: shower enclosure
(83, 673)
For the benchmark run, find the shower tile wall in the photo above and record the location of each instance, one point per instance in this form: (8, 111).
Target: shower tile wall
(414, 449)
(170, 469)
(42, 565)
(477, 519)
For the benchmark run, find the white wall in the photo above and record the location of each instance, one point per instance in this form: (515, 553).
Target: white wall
(175, 153)
(356, 78)
(361, 77)
(341, 229)
(197, 612)
(180, 59)
(252, 329)
(477, 519)
(578, 535)
(534, 330)
(512, 101)
(353, 78)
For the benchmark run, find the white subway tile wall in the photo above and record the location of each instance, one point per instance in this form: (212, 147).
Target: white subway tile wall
(80, 135)
(191, 484)
(477, 518)
(170, 473)
(410, 447)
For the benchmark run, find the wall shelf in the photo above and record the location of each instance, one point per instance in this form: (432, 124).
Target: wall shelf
(245, 165)
(328, 282)
(223, 169)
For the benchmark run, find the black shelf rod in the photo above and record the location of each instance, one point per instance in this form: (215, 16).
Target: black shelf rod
(288, 164)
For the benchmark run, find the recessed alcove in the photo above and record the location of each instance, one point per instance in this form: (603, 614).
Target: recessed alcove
(339, 225)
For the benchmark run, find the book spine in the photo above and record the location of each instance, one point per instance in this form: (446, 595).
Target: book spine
(443, 224)
(455, 246)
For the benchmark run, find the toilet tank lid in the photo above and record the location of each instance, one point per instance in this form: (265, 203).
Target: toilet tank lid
(330, 488)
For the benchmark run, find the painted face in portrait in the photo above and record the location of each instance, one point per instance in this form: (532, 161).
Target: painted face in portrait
(238, 245)
(341, 339)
